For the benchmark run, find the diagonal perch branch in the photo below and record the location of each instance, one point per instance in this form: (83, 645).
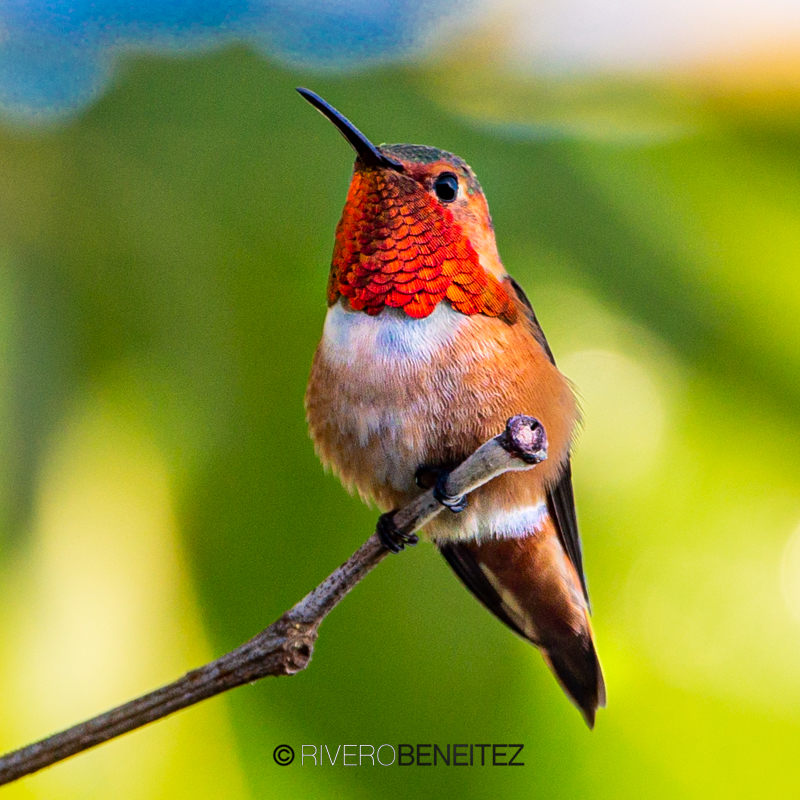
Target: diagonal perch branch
(286, 646)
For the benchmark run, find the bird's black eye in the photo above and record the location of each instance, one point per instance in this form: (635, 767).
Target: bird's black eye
(446, 187)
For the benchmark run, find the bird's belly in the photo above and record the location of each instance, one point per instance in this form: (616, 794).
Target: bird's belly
(376, 394)
(388, 394)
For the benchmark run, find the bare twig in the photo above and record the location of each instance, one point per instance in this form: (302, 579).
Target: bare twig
(286, 646)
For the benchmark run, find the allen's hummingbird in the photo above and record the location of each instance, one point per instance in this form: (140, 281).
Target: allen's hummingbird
(429, 346)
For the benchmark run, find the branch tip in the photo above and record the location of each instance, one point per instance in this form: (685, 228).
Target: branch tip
(525, 438)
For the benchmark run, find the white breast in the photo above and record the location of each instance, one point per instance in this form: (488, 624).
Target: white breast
(390, 340)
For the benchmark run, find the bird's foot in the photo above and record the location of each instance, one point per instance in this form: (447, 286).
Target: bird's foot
(429, 477)
(392, 538)
(455, 502)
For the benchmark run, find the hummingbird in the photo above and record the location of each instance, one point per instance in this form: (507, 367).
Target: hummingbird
(428, 347)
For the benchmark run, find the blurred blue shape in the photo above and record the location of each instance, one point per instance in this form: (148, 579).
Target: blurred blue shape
(57, 56)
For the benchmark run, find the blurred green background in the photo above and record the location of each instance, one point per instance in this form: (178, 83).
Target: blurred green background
(163, 259)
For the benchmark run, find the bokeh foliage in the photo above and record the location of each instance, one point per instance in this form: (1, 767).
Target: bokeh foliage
(164, 258)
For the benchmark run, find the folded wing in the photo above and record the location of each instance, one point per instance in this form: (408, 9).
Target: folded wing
(531, 584)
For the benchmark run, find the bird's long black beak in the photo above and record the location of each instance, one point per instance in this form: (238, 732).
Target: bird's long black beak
(366, 151)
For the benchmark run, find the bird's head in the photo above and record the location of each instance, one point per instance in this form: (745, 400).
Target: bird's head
(415, 231)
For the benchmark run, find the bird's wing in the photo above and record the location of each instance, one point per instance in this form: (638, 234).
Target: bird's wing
(560, 499)
(530, 584)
